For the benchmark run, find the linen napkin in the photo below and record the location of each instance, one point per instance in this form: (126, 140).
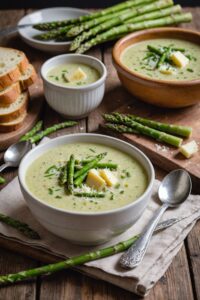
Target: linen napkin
(162, 249)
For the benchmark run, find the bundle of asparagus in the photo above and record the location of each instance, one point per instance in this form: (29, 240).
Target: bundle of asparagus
(113, 22)
(162, 132)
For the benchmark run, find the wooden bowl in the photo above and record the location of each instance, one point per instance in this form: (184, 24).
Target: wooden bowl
(164, 93)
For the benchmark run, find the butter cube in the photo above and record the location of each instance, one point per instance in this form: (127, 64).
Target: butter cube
(179, 59)
(77, 75)
(109, 177)
(165, 69)
(94, 180)
(189, 149)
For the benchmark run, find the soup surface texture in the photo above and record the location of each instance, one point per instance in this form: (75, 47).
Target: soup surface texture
(60, 73)
(141, 59)
(132, 179)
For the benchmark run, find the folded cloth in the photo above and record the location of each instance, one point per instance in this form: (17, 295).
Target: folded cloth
(162, 249)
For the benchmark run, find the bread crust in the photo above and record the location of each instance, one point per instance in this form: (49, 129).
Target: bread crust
(15, 114)
(14, 74)
(12, 127)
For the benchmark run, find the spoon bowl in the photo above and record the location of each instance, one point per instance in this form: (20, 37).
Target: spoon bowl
(175, 188)
(15, 153)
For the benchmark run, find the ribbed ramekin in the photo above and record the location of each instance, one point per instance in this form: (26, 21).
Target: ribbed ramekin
(74, 102)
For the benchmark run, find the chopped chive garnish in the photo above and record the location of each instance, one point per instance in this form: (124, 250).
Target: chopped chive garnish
(50, 191)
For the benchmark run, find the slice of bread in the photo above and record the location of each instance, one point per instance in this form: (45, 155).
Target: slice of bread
(14, 110)
(11, 93)
(13, 125)
(13, 63)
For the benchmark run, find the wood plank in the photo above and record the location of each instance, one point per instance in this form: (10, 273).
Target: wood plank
(193, 246)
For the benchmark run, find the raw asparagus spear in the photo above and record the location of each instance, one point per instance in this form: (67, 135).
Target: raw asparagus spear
(37, 137)
(148, 16)
(50, 35)
(70, 173)
(32, 132)
(120, 18)
(180, 130)
(62, 179)
(109, 10)
(2, 180)
(20, 226)
(89, 165)
(126, 28)
(89, 195)
(155, 14)
(78, 260)
(141, 129)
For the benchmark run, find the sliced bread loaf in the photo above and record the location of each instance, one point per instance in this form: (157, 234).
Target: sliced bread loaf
(13, 125)
(11, 93)
(14, 110)
(13, 63)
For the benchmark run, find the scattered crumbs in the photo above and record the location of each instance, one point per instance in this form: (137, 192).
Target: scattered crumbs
(81, 128)
(161, 148)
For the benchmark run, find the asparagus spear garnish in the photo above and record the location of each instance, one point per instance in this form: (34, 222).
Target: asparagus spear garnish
(89, 195)
(180, 130)
(78, 260)
(80, 175)
(95, 15)
(37, 137)
(163, 58)
(148, 16)
(126, 28)
(62, 179)
(20, 226)
(70, 173)
(90, 165)
(52, 34)
(2, 180)
(141, 129)
(32, 132)
(107, 165)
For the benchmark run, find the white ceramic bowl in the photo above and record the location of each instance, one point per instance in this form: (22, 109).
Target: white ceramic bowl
(74, 102)
(81, 227)
(47, 15)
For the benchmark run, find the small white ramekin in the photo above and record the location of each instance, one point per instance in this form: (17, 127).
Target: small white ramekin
(74, 102)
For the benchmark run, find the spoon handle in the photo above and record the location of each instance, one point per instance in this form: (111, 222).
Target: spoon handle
(134, 255)
(2, 167)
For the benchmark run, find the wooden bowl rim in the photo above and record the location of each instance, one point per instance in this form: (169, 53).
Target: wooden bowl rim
(117, 61)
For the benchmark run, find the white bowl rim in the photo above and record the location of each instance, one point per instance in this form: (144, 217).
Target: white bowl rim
(89, 214)
(83, 87)
(52, 43)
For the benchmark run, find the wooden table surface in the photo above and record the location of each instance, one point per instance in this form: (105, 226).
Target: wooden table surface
(182, 279)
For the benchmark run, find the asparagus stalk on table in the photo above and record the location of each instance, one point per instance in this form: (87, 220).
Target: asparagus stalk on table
(78, 260)
(180, 130)
(95, 15)
(37, 137)
(126, 28)
(20, 226)
(141, 129)
(70, 174)
(2, 180)
(80, 175)
(148, 16)
(32, 132)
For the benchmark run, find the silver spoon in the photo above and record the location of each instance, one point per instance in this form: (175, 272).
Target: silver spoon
(15, 153)
(174, 190)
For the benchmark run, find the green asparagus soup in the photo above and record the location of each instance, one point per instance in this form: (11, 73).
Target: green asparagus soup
(115, 180)
(164, 59)
(73, 74)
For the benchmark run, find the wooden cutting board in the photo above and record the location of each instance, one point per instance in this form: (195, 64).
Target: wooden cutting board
(166, 157)
(34, 109)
